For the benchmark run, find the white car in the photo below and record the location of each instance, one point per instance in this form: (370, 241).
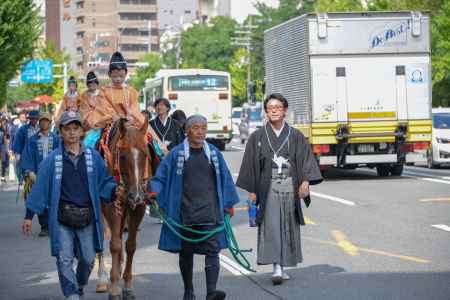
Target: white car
(236, 114)
(439, 153)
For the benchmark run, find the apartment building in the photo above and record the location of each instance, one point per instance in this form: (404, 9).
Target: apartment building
(105, 26)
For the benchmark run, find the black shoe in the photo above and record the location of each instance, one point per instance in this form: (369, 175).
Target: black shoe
(81, 292)
(189, 295)
(44, 232)
(216, 295)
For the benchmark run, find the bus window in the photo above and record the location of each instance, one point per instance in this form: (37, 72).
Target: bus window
(198, 83)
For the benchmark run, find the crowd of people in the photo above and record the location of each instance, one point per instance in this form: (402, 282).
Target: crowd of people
(66, 179)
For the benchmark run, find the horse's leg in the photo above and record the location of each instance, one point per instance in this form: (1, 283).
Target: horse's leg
(102, 281)
(134, 220)
(115, 247)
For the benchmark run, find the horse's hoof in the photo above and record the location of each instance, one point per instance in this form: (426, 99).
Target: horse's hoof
(101, 287)
(128, 294)
(115, 297)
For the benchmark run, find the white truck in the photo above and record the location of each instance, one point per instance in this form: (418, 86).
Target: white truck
(358, 85)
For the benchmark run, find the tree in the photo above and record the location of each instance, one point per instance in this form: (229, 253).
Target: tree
(208, 45)
(143, 73)
(267, 18)
(20, 28)
(238, 72)
(338, 5)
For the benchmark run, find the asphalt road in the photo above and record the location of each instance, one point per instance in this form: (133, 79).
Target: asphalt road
(367, 238)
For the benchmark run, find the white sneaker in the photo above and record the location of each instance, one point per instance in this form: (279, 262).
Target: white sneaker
(277, 276)
(284, 274)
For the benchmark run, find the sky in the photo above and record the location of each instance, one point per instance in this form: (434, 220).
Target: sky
(240, 9)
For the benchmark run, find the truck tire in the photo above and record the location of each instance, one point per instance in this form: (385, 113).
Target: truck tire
(397, 170)
(383, 170)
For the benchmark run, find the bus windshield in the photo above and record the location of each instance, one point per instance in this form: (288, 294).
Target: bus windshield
(198, 83)
(441, 120)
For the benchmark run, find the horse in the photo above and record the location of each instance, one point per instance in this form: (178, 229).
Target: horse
(132, 159)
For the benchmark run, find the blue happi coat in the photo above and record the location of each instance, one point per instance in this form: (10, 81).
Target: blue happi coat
(32, 155)
(168, 183)
(22, 136)
(46, 192)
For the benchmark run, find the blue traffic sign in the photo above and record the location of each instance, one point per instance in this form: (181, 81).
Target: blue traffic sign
(37, 71)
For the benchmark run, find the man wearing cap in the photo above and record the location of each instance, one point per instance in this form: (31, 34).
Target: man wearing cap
(71, 100)
(194, 187)
(71, 182)
(168, 130)
(37, 149)
(21, 139)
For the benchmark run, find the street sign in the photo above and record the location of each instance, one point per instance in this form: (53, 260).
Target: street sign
(37, 71)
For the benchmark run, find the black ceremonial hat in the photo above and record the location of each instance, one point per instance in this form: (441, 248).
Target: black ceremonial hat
(91, 77)
(117, 62)
(72, 80)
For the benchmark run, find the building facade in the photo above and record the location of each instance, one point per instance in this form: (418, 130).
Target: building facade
(105, 26)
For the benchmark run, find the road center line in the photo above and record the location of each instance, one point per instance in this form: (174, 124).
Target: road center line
(442, 226)
(435, 199)
(332, 198)
(343, 242)
(372, 251)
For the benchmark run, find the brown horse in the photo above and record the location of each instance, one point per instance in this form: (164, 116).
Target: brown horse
(133, 159)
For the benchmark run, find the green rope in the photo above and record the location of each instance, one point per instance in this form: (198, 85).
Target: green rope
(233, 246)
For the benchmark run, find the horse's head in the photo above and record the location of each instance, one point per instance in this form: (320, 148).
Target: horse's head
(133, 161)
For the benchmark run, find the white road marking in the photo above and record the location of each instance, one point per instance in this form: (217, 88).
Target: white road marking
(332, 198)
(428, 179)
(238, 148)
(233, 267)
(442, 226)
(419, 174)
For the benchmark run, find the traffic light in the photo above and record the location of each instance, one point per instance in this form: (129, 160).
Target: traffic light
(251, 90)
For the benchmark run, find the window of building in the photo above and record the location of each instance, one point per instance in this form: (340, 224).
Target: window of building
(137, 16)
(80, 20)
(101, 44)
(187, 12)
(101, 57)
(133, 31)
(80, 34)
(155, 47)
(80, 4)
(134, 47)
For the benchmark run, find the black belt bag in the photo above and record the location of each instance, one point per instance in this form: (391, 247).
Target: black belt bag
(74, 216)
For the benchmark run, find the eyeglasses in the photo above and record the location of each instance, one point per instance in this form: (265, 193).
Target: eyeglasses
(276, 107)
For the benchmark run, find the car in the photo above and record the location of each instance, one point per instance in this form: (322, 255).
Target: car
(439, 154)
(236, 114)
(251, 120)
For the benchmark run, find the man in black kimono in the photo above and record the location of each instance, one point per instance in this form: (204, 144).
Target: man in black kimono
(277, 169)
(168, 130)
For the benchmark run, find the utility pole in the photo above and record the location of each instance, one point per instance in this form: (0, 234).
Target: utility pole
(243, 38)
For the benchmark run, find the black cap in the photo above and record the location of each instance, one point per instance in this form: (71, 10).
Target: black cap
(117, 62)
(91, 77)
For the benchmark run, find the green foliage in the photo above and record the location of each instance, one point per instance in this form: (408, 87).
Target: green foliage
(20, 28)
(155, 64)
(208, 45)
(338, 5)
(238, 71)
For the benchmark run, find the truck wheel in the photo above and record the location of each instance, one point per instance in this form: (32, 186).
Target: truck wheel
(397, 170)
(383, 170)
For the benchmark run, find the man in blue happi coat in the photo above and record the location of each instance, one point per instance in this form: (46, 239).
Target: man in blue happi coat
(71, 182)
(37, 149)
(21, 139)
(194, 187)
